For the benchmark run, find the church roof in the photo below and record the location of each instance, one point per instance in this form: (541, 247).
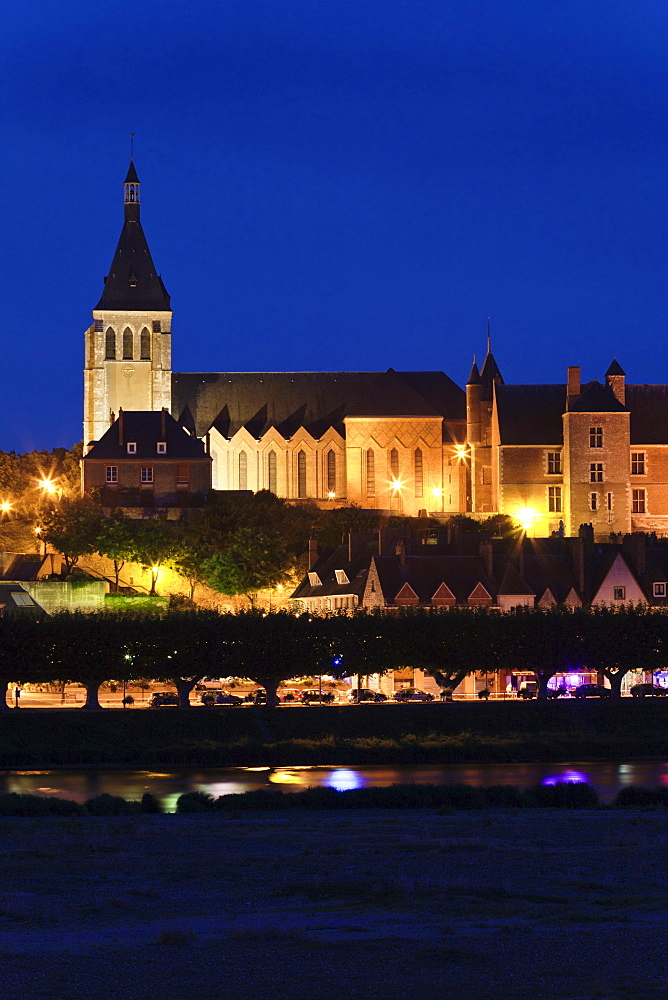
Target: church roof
(132, 282)
(132, 177)
(313, 400)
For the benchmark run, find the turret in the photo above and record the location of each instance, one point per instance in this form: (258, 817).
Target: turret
(615, 378)
(473, 397)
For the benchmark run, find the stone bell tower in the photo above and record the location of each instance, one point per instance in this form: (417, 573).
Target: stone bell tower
(128, 347)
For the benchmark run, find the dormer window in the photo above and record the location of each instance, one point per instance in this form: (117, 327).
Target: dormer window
(341, 577)
(162, 447)
(659, 590)
(314, 580)
(132, 447)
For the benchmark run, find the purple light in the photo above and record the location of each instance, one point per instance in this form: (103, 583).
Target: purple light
(342, 780)
(566, 777)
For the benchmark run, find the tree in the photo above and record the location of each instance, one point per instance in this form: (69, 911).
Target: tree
(154, 544)
(72, 526)
(252, 560)
(21, 653)
(115, 540)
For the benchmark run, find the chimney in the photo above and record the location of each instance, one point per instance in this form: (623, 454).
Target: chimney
(112, 417)
(573, 388)
(207, 443)
(163, 427)
(350, 546)
(616, 378)
(634, 547)
(400, 551)
(120, 425)
(520, 558)
(577, 547)
(485, 551)
(312, 552)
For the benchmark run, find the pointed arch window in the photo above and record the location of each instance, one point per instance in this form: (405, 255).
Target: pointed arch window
(110, 345)
(127, 344)
(394, 463)
(331, 471)
(243, 470)
(419, 473)
(145, 345)
(301, 474)
(271, 472)
(370, 473)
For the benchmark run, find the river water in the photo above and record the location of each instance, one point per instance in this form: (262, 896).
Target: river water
(606, 777)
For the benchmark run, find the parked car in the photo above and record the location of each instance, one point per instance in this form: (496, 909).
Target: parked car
(259, 697)
(164, 699)
(559, 692)
(641, 690)
(358, 695)
(220, 698)
(592, 691)
(308, 697)
(413, 694)
(528, 689)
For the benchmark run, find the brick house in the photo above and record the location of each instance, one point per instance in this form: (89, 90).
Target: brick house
(146, 459)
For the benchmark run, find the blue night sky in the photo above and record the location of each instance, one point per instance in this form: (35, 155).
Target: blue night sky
(337, 184)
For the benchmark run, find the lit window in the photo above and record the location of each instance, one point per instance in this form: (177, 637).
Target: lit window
(331, 471)
(619, 593)
(596, 472)
(132, 447)
(162, 447)
(394, 463)
(112, 474)
(314, 579)
(593, 501)
(637, 463)
(341, 576)
(659, 590)
(595, 437)
(554, 499)
(554, 463)
(419, 473)
(637, 501)
(370, 473)
(147, 474)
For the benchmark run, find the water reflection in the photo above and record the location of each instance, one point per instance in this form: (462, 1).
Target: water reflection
(570, 777)
(607, 779)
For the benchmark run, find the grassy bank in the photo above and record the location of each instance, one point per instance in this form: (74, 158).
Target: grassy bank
(374, 734)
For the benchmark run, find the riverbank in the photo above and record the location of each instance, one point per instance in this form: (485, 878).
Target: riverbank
(365, 904)
(434, 734)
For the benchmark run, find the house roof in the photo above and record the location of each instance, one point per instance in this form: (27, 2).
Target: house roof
(615, 368)
(313, 400)
(513, 585)
(425, 574)
(17, 602)
(597, 398)
(144, 428)
(531, 414)
(337, 558)
(649, 413)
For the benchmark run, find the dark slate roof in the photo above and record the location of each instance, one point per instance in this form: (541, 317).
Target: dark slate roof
(649, 413)
(615, 368)
(18, 602)
(513, 585)
(336, 557)
(132, 282)
(474, 378)
(145, 429)
(425, 574)
(314, 400)
(542, 570)
(132, 177)
(531, 414)
(597, 398)
(24, 567)
(489, 374)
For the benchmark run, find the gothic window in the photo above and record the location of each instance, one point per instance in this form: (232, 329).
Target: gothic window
(370, 473)
(127, 344)
(145, 345)
(419, 473)
(243, 470)
(272, 485)
(331, 471)
(110, 345)
(301, 474)
(394, 463)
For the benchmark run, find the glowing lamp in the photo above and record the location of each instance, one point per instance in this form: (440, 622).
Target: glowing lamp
(461, 451)
(47, 486)
(437, 492)
(527, 517)
(5, 507)
(331, 495)
(396, 485)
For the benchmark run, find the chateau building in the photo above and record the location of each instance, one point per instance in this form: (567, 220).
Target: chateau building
(554, 456)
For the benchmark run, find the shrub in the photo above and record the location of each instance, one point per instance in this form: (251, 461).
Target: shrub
(195, 802)
(634, 797)
(563, 795)
(111, 805)
(150, 804)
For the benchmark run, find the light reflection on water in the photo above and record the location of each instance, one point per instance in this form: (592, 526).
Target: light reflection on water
(606, 778)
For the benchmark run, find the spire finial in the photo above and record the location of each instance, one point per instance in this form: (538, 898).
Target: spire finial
(489, 335)
(132, 145)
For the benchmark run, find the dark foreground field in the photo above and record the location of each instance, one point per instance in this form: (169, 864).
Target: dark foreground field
(366, 734)
(547, 905)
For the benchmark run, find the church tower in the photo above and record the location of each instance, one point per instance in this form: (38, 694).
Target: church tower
(128, 347)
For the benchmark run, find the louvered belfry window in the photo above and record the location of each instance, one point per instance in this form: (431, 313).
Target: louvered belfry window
(301, 474)
(331, 471)
(145, 345)
(110, 345)
(127, 344)
(394, 463)
(419, 473)
(370, 473)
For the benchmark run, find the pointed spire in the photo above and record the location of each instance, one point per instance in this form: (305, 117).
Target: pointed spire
(490, 370)
(474, 377)
(615, 368)
(132, 282)
(489, 335)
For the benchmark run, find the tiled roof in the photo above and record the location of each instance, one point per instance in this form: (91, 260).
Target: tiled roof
(531, 414)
